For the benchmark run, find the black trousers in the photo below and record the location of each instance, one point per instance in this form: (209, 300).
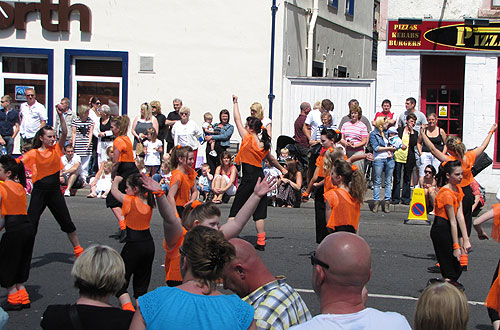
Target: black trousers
(467, 203)
(48, 195)
(319, 213)
(138, 258)
(212, 161)
(443, 247)
(250, 176)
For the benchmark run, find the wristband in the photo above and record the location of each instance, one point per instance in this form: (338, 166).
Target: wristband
(158, 193)
(304, 194)
(456, 246)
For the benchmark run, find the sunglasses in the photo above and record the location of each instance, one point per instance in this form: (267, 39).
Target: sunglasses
(428, 172)
(316, 261)
(30, 95)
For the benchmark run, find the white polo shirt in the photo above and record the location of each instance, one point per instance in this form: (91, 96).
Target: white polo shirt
(31, 118)
(70, 163)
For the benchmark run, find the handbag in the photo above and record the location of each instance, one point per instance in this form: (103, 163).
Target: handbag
(139, 148)
(482, 162)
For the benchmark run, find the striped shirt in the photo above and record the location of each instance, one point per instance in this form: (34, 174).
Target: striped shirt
(354, 132)
(277, 306)
(82, 136)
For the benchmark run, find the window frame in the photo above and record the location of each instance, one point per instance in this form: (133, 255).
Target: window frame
(349, 7)
(333, 3)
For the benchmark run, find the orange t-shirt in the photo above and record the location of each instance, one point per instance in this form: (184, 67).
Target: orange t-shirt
(43, 163)
(446, 196)
(495, 231)
(14, 200)
(328, 183)
(173, 260)
(320, 163)
(345, 209)
(137, 214)
(250, 153)
(467, 163)
(186, 183)
(493, 299)
(124, 144)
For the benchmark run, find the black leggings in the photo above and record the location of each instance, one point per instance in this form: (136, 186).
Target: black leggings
(138, 258)
(319, 213)
(443, 247)
(250, 176)
(467, 203)
(493, 314)
(46, 193)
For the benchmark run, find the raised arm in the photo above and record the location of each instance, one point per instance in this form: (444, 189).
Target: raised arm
(479, 150)
(64, 127)
(237, 118)
(434, 151)
(114, 189)
(231, 229)
(172, 228)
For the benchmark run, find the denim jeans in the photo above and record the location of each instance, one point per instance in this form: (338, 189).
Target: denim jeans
(380, 166)
(9, 144)
(397, 195)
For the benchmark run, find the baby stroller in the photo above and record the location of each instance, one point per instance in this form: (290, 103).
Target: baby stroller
(297, 151)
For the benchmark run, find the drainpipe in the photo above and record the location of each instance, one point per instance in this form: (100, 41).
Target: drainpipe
(310, 38)
(274, 9)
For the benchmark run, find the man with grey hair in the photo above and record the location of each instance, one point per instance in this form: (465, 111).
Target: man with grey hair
(172, 117)
(277, 305)
(68, 116)
(9, 124)
(341, 270)
(33, 117)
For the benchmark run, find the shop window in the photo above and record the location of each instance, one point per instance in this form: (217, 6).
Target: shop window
(495, 4)
(97, 73)
(15, 64)
(349, 7)
(333, 3)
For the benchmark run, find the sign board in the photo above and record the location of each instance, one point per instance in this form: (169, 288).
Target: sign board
(21, 92)
(443, 111)
(443, 36)
(418, 210)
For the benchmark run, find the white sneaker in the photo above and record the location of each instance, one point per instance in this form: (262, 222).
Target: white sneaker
(67, 193)
(213, 153)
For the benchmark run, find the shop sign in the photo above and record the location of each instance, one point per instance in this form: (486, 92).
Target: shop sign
(15, 14)
(443, 35)
(21, 92)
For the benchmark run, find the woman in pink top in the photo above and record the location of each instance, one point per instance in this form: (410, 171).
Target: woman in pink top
(355, 136)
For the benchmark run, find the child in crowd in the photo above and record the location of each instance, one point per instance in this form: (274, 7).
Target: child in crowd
(103, 182)
(205, 181)
(284, 155)
(16, 245)
(343, 205)
(394, 139)
(93, 181)
(208, 129)
(326, 121)
(289, 186)
(139, 250)
(182, 190)
(429, 184)
(139, 163)
(163, 178)
(152, 149)
(272, 173)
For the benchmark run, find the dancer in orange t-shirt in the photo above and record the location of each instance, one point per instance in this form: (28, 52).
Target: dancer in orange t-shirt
(198, 214)
(44, 161)
(16, 245)
(344, 202)
(448, 220)
(182, 189)
(493, 299)
(254, 147)
(139, 250)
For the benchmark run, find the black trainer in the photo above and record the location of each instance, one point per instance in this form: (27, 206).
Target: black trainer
(7, 306)
(434, 269)
(260, 247)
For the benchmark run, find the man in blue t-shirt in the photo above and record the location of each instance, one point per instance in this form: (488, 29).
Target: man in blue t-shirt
(9, 124)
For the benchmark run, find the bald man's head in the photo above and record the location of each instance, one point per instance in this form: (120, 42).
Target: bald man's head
(348, 257)
(246, 272)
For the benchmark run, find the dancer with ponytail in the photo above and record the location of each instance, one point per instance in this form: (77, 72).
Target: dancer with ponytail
(343, 205)
(139, 250)
(199, 214)
(123, 165)
(16, 245)
(182, 189)
(458, 151)
(44, 162)
(254, 147)
(448, 221)
(493, 300)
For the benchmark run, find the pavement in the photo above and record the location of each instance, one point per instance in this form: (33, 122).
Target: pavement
(400, 257)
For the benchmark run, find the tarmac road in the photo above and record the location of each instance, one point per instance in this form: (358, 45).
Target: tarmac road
(400, 257)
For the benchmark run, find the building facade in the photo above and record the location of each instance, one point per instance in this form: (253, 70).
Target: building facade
(446, 56)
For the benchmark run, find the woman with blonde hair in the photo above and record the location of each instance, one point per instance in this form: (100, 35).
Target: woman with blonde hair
(156, 108)
(257, 111)
(142, 122)
(99, 273)
(441, 307)
(383, 163)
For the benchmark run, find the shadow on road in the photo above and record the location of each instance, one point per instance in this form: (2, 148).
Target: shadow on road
(49, 258)
(428, 257)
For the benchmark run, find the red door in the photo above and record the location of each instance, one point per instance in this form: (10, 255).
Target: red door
(443, 89)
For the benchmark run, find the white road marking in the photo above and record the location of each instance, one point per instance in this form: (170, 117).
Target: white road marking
(388, 296)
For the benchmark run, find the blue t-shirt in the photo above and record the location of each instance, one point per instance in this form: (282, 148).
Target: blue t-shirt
(173, 308)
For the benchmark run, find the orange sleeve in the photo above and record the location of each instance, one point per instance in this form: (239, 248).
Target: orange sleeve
(495, 231)
(320, 164)
(331, 198)
(493, 299)
(470, 158)
(173, 261)
(119, 144)
(28, 159)
(127, 205)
